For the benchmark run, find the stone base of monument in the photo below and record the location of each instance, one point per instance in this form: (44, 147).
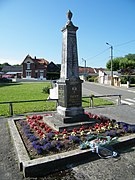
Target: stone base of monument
(71, 112)
(59, 122)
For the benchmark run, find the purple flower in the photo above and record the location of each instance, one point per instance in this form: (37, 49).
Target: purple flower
(26, 130)
(75, 139)
(22, 123)
(34, 143)
(37, 146)
(131, 128)
(28, 134)
(112, 133)
(47, 146)
(107, 133)
(125, 128)
(50, 135)
(33, 138)
(44, 141)
(121, 124)
(39, 151)
(59, 145)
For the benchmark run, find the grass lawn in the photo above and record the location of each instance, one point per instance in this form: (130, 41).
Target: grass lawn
(32, 91)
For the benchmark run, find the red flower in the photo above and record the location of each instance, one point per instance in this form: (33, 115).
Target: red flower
(48, 130)
(39, 117)
(64, 131)
(107, 124)
(75, 130)
(36, 128)
(90, 128)
(56, 132)
(82, 128)
(96, 126)
(42, 124)
(46, 127)
(38, 131)
(101, 125)
(34, 117)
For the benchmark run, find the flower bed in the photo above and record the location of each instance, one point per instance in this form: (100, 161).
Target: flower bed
(41, 140)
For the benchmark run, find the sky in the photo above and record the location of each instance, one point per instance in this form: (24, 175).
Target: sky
(34, 27)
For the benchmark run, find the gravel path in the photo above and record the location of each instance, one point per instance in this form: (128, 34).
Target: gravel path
(122, 168)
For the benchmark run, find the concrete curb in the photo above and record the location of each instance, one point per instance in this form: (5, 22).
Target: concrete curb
(43, 166)
(20, 149)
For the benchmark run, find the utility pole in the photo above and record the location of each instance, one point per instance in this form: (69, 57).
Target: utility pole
(111, 48)
(84, 66)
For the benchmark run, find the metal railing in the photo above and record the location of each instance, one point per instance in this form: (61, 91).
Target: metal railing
(23, 101)
(101, 96)
(45, 100)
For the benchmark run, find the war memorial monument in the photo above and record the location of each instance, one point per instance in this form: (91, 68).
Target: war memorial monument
(70, 112)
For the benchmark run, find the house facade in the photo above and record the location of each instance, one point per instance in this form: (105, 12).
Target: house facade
(85, 72)
(105, 77)
(34, 68)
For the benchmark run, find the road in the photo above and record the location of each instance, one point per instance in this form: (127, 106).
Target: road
(128, 95)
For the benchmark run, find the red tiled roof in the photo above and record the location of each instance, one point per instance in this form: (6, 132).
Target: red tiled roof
(101, 69)
(88, 70)
(38, 60)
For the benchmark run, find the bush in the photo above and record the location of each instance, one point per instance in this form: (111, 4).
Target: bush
(5, 80)
(123, 80)
(46, 90)
(132, 80)
(127, 78)
(92, 78)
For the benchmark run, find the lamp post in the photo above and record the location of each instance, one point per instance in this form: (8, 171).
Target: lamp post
(111, 48)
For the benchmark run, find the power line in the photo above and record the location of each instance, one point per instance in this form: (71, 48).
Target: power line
(124, 43)
(108, 48)
(98, 54)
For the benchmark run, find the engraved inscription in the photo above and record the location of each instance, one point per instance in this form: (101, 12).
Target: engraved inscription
(74, 96)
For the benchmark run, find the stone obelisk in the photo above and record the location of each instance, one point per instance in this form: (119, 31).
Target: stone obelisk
(70, 85)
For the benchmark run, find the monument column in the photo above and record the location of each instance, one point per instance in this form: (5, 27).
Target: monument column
(69, 85)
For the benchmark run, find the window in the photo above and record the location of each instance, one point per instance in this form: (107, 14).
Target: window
(28, 65)
(28, 74)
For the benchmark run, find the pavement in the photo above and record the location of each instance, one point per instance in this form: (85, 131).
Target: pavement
(105, 169)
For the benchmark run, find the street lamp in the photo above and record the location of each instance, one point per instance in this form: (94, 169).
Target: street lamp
(111, 47)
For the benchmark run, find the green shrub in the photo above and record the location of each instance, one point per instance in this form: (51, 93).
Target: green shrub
(91, 78)
(132, 80)
(124, 80)
(5, 80)
(46, 90)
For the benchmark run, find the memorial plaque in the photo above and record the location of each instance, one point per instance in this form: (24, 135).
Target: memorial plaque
(61, 93)
(74, 95)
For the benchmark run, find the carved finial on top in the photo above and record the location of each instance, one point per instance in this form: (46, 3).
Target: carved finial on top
(69, 15)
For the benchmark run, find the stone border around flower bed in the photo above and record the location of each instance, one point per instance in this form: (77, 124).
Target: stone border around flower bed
(43, 166)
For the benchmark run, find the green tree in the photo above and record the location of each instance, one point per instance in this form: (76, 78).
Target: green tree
(115, 64)
(130, 57)
(126, 64)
